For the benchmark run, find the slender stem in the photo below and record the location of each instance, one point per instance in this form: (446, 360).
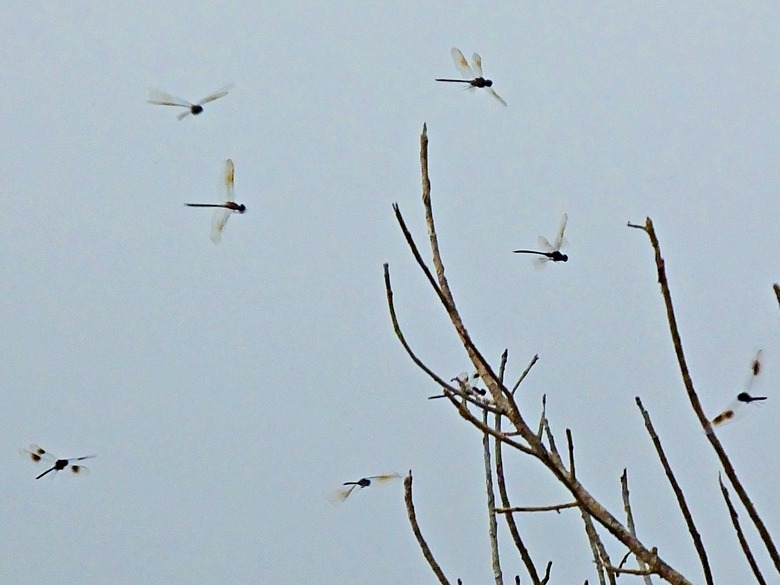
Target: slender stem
(418, 534)
(491, 504)
(740, 535)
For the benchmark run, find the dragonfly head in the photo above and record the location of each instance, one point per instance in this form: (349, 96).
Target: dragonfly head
(241, 208)
(196, 109)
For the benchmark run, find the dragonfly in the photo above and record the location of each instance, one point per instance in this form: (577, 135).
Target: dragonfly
(161, 98)
(38, 454)
(224, 210)
(550, 252)
(737, 408)
(343, 493)
(473, 76)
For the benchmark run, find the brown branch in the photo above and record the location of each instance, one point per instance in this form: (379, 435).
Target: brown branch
(491, 503)
(630, 522)
(551, 508)
(417, 533)
(740, 536)
(776, 288)
(570, 443)
(678, 493)
(694, 399)
(510, 521)
(525, 373)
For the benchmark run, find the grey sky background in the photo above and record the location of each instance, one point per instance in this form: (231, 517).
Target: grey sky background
(228, 389)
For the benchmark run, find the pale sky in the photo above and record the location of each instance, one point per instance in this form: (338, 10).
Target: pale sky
(227, 390)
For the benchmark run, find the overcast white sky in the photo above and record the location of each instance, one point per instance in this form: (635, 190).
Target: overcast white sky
(228, 389)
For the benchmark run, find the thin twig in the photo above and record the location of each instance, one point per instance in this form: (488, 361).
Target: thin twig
(491, 503)
(417, 533)
(630, 521)
(510, 521)
(678, 493)
(570, 443)
(550, 508)
(694, 399)
(742, 540)
(776, 288)
(525, 373)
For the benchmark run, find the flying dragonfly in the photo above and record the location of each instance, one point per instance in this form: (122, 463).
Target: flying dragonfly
(37, 455)
(550, 252)
(224, 210)
(737, 408)
(349, 486)
(161, 98)
(473, 77)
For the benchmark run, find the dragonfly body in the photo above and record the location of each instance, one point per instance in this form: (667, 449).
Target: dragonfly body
(555, 255)
(223, 211)
(37, 454)
(738, 407)
(237, 207)
(350, 486)
(550, 252)
(161, 98)
(473, 77)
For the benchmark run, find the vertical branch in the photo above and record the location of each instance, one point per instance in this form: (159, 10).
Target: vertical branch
(694, 398)
(418, 534)
(510, 520)
(742, 540)
(681, 503)
(491, 502)
(776, 288)
(630, 520)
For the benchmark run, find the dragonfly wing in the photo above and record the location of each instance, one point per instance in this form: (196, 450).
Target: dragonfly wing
(230, 171)
(544, 244)
(161, 98)
(735, 411)
(218, 221)
(385, 478)
(78, 470)
(541, 262)
(495, 95)
(756, 367)
(477, 60)
(462, 64)
(216, 95)
(341, 494)
(559, 239)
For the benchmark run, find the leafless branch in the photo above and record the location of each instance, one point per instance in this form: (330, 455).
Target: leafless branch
(491, 504)
(525, 373)
(551, 508)
(418, 534)
(630, 521)
(678, 493)
(510, 521)
(694, 399)
(742, 540)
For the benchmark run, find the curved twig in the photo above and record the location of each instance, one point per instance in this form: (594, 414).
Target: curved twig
(418, 534)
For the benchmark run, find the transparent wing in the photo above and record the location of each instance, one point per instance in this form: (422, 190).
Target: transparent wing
(78, 470)
(545, 244)
(230, 171)
(184, 114)
(477, 61)
(559, 239)
(218, 221)
(495, 95)
(385, 478)
(735, 411)
(756, 367)
(541, 262)
(36, 454)
(462, 64)
(216, 95)
(161, 98)
(341, 494)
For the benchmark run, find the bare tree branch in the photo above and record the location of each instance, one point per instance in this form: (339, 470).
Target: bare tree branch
(678, 493)
(525, 373)
(491, 503)
(630, 521)
(550, 508)
(694, 398)
(418, 534)
(510, 521)
(742, 540)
